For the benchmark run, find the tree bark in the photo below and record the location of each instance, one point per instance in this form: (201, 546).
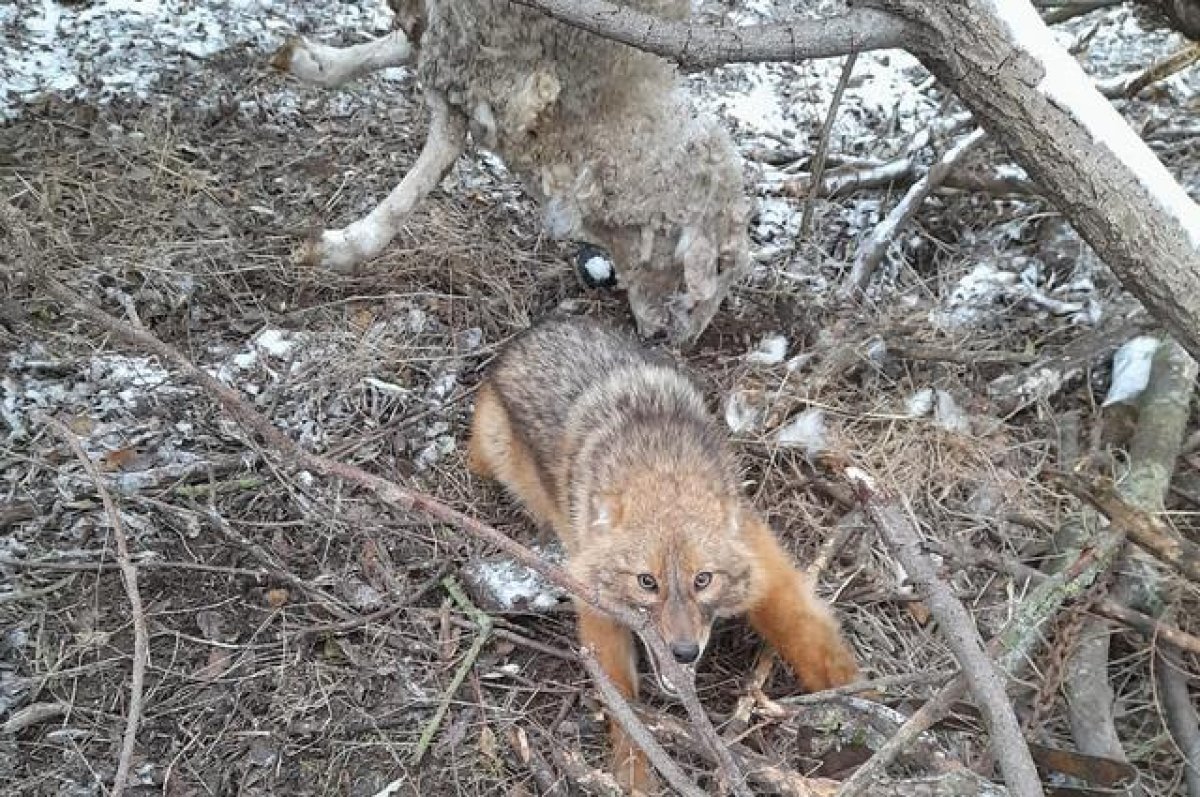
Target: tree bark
(1031, 95)
(703, 46)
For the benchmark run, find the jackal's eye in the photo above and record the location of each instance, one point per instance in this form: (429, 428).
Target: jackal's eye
(702, 580)
(647, 582)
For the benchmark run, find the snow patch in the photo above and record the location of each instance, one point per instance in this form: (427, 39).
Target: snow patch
(807, 431)
(770, 351)
(110, 49)
(1131, 370)
(514, 586)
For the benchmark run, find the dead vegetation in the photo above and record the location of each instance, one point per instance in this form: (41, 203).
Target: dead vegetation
(301, 639)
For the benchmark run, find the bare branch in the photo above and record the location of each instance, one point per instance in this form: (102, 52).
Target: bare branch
(695, 46)
(981, 674)
(1108, 608)
(1143, 528)
(622, 712)
(873, 250)
(141, 638)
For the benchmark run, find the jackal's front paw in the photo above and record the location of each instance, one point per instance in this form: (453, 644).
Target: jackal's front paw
(834, 665)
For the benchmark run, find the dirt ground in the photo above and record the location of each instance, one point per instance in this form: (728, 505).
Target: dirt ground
(182, 210)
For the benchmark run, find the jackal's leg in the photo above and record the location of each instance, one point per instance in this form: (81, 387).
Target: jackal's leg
(328, 66)
(795, 621)
(615, 652)
(343, 249)
(495, 452)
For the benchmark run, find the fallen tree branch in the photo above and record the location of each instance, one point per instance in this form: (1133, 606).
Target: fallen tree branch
(958, 629)
(695, 46)
(407, 500)
(1146, 530)
(1144, 624)
(1011, 648)
(872, 251)
(141, 637)
(1131, 85)
(1180, 713)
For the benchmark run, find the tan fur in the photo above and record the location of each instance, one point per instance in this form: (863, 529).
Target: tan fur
(613, 448)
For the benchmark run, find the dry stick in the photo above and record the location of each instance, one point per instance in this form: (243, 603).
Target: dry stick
(1160, 70)
(1180, 714)
(1108, 608)
(1068, 11)
(777, 780)
(408, 500)
(1146, 530)
(760, 768)
(484, 622)
(934, 678)
(872, 251)
(141, 639)
(818, 164)
(698, 46)
(982, 677)
(1012, 648)
(623, 713)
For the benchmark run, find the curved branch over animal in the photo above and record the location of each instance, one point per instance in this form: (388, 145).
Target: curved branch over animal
(604, 136)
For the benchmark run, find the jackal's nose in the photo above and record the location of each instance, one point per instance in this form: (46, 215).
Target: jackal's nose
(685, 652)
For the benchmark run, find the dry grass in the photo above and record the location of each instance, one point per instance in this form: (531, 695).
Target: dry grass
(189, 214)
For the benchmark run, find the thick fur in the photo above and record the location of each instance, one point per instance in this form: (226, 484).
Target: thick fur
(613, 448)
(606, 138)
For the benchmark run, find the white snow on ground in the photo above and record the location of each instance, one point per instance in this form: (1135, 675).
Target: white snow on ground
(121, 48)
(787, 103)
(1067, 86)
(514, 586)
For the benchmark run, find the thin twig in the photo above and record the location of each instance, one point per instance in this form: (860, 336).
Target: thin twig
(484, 622)
(141, 638)
(818, 163)
(1146, 530)
(872, 251)
(16, 596)
(623, 713)
(958, 629)
(882, 684)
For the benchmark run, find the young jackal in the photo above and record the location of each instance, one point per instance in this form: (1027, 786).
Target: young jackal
(613, 448)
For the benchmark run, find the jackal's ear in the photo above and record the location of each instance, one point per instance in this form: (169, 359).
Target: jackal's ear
(736, 515)
(607, 510)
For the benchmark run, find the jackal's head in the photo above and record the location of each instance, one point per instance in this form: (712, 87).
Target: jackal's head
(676, 554)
